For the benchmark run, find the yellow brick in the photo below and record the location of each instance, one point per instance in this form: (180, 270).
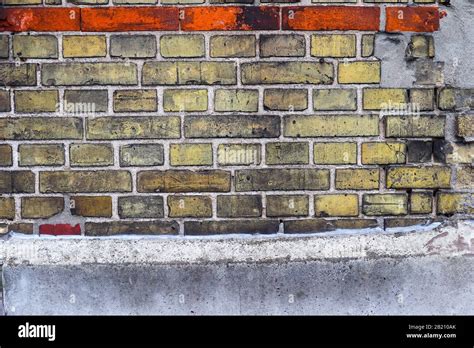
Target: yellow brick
(420, 203)
(381, 98)
(84, 155)
(335, 153)
(465, 177)
(83, 46)
(179, 100)
(41, 155)
(336, 205)
(452, 203)
(190, 154)
(419, 177)
(357, 179)
(359, 72)
(333, 45)
(384, 204)
(241, 100)
(411, 126)
(189, 206)
(36, 101)
(35, 46)
(238, 154)
(233, 46)
(7, 208)
(182, 46)
(331, 126)
(383, 153)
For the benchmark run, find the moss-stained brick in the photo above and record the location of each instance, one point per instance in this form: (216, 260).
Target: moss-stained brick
(133, 46)
(36, 101)
(287, 205)
(420, 46)
(384, 204)
(4, 46)
(282, 45)
(18, 75)
(335, 99)
(384, 98)
(189, 206)
(41, 207)
(455, 98)
(337, 46)
(141, 155)
(232, 126)
(91, 206)
(421, 203)
(231, 46)
(239, 226)
(281, 179)
(234, 206)
(90, 155)
(131, 207)
(383, 153)
(331, 126)
(287, 72)
(359, 72)
(6, 158)
(84, 46)
(465, 177)
(357, 179)
(18, 181)
(40, 128)
(7, 208)
(239, 100)
(335, 153)
(135, 127)
(323, 225)
(182, 46)
(285, 99)
(85, 101)
(41, 155)
(180, 100)
(415, 126)
(5, 101)
(465, 126)
(191, 154)
(455, 203)
(95, 181)
(238, 154)
(142, 100)
(113, 228)
(419, 177)
(35, 46)
(287, 153)
(336, 205)
(368, 45)
(183, 181)
(422, 99)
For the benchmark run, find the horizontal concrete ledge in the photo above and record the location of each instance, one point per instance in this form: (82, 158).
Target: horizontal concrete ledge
(454, 239)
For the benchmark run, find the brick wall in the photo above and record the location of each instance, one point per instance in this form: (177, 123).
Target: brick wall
(209, 119)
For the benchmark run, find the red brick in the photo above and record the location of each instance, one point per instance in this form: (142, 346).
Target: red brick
(130, 18)
(417, 19)
(40, 19)
(331, 18)
(60, 230)
(230, 18)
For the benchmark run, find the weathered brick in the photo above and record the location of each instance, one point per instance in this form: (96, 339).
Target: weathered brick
(85, 2)
(383, 153)
(86, 74)
(323, 225)
(239, 100)
(232, 126)
(85, 181)
(4, 46)
(143, 100)
(40, 128)
(422, 177)
(239, 206)
(182, 46)
(357, 179)
(191, 154)
(287, 72)
(135, 127)
(90, 155)
(189, 100)
(20, 227)
(190, 206)
(455, 203)
(415, 19)
(35, 46)
(41, 155)
(282, 46)
(384, 98)
(185, 73)
(183, 181)
(25, 19)
(17, 75)
(422, 98)
(420, 46)
(91, 206)
(335, 153)
(404, 223)
(331, 126)
(455, 99)
(141, 155)
(41, 207)
(238, 154)
(17, 182)
(84, 46)
(7, 208)
(246, 226)
(415, 127)
(465, 126)
(133, 46)
(285, 99)
(6, 157)
(368, 45)
(338, 46)
(287, 205)
(419, 151)
(85, 101)
(335, 99)
(184, 2)
(336, 205)
(421, 203)
(135, 2)
(112, 228)
(465, 177)
(359, 72)
(36, 101)
(132, 207)
(5, 101)
(384, 204)
(287, 153)
(453, 153)
(20, 2)
(232, 46)
(281, 179)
